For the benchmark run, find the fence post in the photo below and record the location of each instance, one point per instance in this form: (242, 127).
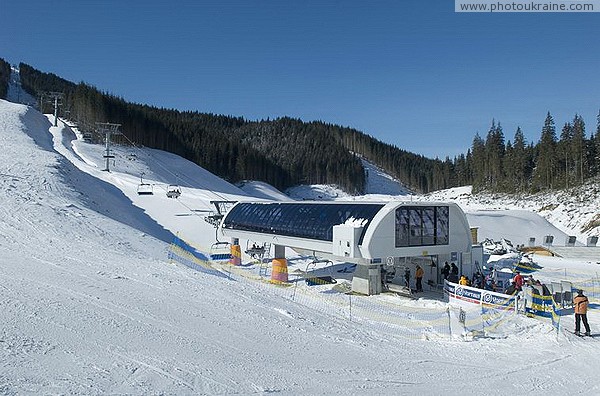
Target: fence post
(350, 298)
(295, 287)
(449, 321)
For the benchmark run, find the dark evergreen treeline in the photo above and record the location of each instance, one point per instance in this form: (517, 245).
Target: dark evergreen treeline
(556, 161)
(286, 152)
(415, 171)
(282, 152)
(235, 149)
(4, 78)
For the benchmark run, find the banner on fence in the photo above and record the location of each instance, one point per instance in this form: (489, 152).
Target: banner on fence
(537, 303)
(466, 295)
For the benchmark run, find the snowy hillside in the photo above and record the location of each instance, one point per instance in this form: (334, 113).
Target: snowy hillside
(379, 185)
(573, 212)
(89, 303)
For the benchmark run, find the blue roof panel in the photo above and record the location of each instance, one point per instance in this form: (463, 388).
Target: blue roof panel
(302, 220)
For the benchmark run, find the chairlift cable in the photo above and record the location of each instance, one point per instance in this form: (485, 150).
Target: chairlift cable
(186, 179)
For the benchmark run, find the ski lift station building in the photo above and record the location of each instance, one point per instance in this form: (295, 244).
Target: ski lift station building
(376, 236)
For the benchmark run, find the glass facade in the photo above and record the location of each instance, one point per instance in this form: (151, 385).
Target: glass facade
(302, 220)
(422, 226)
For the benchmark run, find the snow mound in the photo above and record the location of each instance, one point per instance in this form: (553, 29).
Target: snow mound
(316, 192)
(262, 190)
(381, 183)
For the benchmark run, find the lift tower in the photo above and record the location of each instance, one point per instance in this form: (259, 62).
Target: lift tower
(108, 130)
(56, 98)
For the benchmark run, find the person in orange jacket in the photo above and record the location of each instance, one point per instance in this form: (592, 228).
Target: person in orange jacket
(419, 277)
(580, 304)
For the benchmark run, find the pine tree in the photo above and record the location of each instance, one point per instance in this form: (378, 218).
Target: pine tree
(546, 160)
(591, 154)
(578, 149)
(4, 78)
(494, 148)
(509, 182)
(596, 142)
(479, 163)
(565, 152)
(520, 160)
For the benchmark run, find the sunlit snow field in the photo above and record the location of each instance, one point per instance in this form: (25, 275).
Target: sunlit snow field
(89, 302)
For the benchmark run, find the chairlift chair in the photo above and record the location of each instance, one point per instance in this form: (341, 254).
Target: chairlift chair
(255, 251)
(173, 191)
(319, 279)
(145, 189)
(220, 251)
(214, 219)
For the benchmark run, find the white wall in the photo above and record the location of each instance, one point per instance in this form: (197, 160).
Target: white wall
(379, 240)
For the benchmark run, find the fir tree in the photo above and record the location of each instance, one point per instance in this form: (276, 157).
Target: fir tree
(494, 148)
(595, 141)
(546, 162)
(4, 78)
(479, 160)
(565, 153)
(578, 146)
(520, 160)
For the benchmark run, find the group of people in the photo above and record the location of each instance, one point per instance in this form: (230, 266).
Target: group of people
(419, 272)
(450, 272)
(388, 275)
(518, 281)
(489, 282)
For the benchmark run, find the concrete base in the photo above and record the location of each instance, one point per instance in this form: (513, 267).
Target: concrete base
(367, 279)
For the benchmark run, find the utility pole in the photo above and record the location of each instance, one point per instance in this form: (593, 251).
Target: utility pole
(108, 129)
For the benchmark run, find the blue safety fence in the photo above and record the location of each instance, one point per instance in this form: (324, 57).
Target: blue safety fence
(538, 304)
(390, 313)
(590, 287)
(184, 253)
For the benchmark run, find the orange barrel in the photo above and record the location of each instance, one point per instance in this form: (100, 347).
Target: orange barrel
(280, 271)
(236, 255)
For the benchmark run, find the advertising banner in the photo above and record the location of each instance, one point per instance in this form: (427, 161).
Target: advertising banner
(472, 296)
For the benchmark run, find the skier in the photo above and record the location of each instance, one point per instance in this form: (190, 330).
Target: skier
(419, 277)
(478, 280)
(446, 270)
(494, 277)
(580, 303)
(518, 281)
(453, 273)
(489, 283)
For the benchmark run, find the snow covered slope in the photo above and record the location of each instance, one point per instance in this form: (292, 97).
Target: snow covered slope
(90, 305)
(569, 212)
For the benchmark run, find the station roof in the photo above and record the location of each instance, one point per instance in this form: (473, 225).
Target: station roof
(298, 219)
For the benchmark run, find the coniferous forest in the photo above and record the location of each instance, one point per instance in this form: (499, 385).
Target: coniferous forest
(559, 160)
(4, 77)
(285, 151)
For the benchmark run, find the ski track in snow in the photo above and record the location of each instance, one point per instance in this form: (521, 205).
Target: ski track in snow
(90, 305)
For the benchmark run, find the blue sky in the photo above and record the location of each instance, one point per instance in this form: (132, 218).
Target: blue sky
(410, 73)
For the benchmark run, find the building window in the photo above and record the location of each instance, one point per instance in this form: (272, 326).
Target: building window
(422, 226)
(302, 220)
(402, 227)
